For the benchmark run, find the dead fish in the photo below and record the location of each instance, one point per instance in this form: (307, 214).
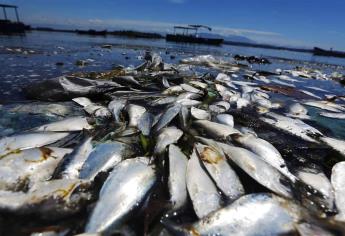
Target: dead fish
(70, 166)
(24, 168)
(338, 184)
(266, 151)
(82, 101)
(76, 123)
(126, 80)
(163, 101)
(305, 229)
(165, 82)
(49, 199)
(129, 184)
(173, 90)
(225, 119)
(145, 123)
(258, 169)
(166, 137)
(293, 126)
(203, 193)
(319, 181)
(168, 116)
(286, 78)
(328, 106)
(296, 110)
(223, 175)
(310, 94)
(257, 214)
(116, 106)
(242, 102)
(190, 88)
(283, 83)
(15, 143)
(177, 177)
(223, 104)
(184, 117)
(188, 102)
(336, 144)
(333, 115)
(103, 158)
(198, 84)
(200, 114)
(134, 113)
(217, 131)
(188, 95)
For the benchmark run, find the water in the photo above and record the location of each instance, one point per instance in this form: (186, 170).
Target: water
(49, 48)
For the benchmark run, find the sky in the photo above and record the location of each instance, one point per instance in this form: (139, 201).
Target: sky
(303, 23)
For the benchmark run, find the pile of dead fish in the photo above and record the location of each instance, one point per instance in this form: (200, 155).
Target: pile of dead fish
(160, 142)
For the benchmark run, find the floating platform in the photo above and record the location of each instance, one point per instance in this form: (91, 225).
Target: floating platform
(9, 27)
(193, 39)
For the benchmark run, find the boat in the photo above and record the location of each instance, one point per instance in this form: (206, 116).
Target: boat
(189, 34)
(8, 26)
(328, 53)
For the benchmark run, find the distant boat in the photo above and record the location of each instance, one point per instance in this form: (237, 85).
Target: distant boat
(12, 27)
(328, 53)
(92, 32)
(186, 37)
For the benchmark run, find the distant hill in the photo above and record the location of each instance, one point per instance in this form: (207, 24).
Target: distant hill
(233, 38)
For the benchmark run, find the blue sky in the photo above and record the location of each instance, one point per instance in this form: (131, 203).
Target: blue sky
(283, 22)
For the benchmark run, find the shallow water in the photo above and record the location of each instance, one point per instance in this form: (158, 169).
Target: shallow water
(46, 49)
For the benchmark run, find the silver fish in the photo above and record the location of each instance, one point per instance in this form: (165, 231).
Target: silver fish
(116, 106)
(165, 82)
(76, 123)
(223, 175)
(145, 123)
(177, 177)
(216, 130)
(258, 214)
(104, 157)
(126, 79)
(129, 184)
(338, 183)
(319, 181)
(296, 110)
(333, 115)
(134, 113)
(225, 119)
(258, 169)
(202, 191)
(173, 90)
(168, 116)
(166, 137)
(336, 144)
(70, 166)
(25, 168)
(42, 195)
(188, 102)
(82, 101)
(200, 114)
(190, 88)
(13, 144)
(266, 151)
(324, 105)
(184, 117)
